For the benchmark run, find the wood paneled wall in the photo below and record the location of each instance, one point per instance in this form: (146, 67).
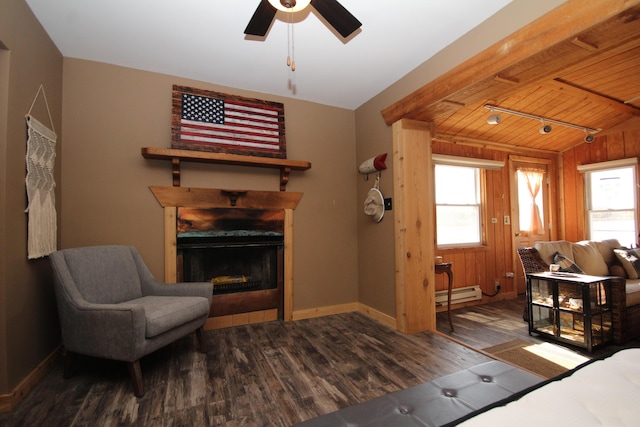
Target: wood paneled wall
(616, 146)
(480, 266)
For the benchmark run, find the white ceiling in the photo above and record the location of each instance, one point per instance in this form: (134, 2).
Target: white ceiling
(204, 40)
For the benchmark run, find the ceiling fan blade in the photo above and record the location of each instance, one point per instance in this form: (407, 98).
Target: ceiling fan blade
(339, 17)
(261, 19)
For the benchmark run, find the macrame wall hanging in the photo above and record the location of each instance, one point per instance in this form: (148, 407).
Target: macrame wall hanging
(41, 209)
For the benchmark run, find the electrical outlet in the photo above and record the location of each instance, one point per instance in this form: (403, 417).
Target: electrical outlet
(509, 275)
(507, 220)
(496, 285)
(494, 220)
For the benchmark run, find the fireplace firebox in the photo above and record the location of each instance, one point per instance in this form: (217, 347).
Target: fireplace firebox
(240, 251)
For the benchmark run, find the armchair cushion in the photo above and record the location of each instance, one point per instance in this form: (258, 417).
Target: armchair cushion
(163, 313)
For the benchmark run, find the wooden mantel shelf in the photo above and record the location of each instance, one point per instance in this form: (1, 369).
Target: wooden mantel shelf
(176, 156)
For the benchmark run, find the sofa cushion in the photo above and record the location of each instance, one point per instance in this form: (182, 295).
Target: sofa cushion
(630, 260)
(548, 249)
(606, 248)
(589, 258)
(566, 264)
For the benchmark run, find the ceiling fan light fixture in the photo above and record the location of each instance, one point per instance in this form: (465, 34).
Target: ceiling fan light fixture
(290, 5)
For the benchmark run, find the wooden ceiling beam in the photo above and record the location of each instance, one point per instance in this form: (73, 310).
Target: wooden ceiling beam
(564, 24)
(569, 88)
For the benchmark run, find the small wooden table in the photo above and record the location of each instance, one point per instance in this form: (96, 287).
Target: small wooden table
(445, 267)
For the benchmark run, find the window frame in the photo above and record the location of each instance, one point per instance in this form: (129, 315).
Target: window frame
(482, 207)
(587, 169)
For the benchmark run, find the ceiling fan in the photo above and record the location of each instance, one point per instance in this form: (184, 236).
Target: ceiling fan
(339, 17)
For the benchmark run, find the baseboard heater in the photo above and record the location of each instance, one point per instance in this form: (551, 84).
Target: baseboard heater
(458, 295)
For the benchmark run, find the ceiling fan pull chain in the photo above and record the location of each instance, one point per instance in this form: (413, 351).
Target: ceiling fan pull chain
(289, 41)
(291, 62)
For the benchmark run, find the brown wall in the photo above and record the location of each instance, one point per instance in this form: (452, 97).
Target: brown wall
(111, 112)
(621, 145)
(28, 322)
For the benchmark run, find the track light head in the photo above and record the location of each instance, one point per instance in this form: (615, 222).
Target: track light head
(494, 119)
(589, 138)
(545, 129)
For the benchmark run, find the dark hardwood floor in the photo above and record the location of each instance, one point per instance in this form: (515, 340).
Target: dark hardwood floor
(269, 374)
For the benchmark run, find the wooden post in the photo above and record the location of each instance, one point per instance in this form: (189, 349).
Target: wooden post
(414, 226)
(170, 244)
(288, 265)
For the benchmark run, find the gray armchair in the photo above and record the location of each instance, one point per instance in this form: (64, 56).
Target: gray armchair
(111, 306)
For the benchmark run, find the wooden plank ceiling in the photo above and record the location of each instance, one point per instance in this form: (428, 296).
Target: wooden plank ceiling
(579, 64)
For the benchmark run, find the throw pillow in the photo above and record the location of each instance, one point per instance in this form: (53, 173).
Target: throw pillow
(566, 265)
(630, 260)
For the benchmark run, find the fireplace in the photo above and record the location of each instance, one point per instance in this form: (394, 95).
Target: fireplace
(240, 240)
(241, 251)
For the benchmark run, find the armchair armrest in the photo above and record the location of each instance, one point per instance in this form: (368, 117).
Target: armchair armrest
(112, 331)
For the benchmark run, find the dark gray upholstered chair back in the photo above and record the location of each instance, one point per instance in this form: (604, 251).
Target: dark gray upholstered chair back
(104, 274)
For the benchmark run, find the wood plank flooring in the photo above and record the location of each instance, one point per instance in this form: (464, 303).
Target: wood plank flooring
(268, 374)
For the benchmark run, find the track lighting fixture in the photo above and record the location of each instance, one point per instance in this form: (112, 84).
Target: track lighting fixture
(546, 127)
(494, 118)
(588, 138)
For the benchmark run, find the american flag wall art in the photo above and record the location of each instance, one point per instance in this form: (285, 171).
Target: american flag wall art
(211, 121)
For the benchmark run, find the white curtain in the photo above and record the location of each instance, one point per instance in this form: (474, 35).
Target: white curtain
(534, 178)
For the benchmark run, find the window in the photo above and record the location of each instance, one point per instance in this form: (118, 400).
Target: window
(530, 200)
(458, 205)
(611, 201)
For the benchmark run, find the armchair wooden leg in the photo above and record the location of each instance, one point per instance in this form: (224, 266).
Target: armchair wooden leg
(136, 377)
(202, 341)
(67, 361)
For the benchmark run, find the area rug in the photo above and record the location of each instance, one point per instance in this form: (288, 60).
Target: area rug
(544, 359)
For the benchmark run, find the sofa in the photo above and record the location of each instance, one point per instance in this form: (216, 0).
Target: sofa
(596, 258)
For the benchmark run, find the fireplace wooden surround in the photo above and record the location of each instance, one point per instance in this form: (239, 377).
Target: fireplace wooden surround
(170, 198)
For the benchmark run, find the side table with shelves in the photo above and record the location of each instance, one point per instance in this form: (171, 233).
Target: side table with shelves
(571, 308)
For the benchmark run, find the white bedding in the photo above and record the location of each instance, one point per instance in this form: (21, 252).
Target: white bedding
(603, 393)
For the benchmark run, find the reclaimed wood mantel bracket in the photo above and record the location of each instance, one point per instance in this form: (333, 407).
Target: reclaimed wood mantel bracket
(233, 195)
(177, 156)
